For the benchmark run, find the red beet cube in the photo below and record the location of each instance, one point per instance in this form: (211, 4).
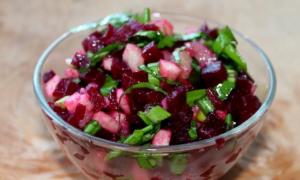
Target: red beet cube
(214, 73)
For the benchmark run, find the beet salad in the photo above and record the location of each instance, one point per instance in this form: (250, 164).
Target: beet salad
(136, 81)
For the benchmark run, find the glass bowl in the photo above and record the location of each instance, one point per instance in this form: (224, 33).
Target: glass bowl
(209, 158)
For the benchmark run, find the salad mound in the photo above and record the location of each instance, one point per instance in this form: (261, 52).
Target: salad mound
(137, 82)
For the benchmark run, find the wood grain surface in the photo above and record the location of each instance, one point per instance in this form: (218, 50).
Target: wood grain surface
(26, 28)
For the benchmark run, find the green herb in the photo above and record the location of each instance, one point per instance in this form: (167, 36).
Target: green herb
(166, 42)
(108, 86)
(92, 127)
(224, 89)
(157, 114)
(225, 45)
(98, 56)
(148, 161)
(225, 37)
(196, 66)
(178, 163)
(193, 131)
(146, 85)
(195, 95)
(117, 20)
(229, 121)
(206, 105)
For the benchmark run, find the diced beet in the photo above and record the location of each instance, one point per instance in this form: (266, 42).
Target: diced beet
(113, 102)
(182, 115)
(151, 53)
(108, 135)
(214, 73)
(121, 118)
(63, 113)
(119, 68)
(80, 59)
(93, 76)
(164, 26)
(110, 32)
(213, 97)
(199, 51)
(48, 75)
(244, 84)
(107, 122)
(134, 122)
(212, 33)
(164, 103)
(123, 100)
(242, 106)
(162, 138)
(132, 55)
(51, 85)
(129, 78)
(169, 69)
(211, 127)
(95, 97)
(167, 87)
(78, 115)
(221, 115)
(65, 87)
(71, 73)
(93, 42)
(143, 98)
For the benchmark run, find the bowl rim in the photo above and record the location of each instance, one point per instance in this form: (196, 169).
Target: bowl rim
(160, 149)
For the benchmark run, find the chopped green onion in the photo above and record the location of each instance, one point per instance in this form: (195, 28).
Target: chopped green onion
(201, 116)
(206, 105)
(108, 86)
(113, 154)
(84, 69)
(193, 96)
(76, 80)
(178, 163)
(225, 45)
(233, 54)
(166, 42)
(153, 80)
(147, 15)
(193, 131)
(148, 161)
(228, 121)
(137, 136)
(147, 137)
(157, 114)
(231, 74)
(92, 127)
(146, 85)
(144, 117)
(225, 37)
(98, 56)
(224, 89)
(61, 102)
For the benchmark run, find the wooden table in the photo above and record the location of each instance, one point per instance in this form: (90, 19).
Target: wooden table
(27, 27)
